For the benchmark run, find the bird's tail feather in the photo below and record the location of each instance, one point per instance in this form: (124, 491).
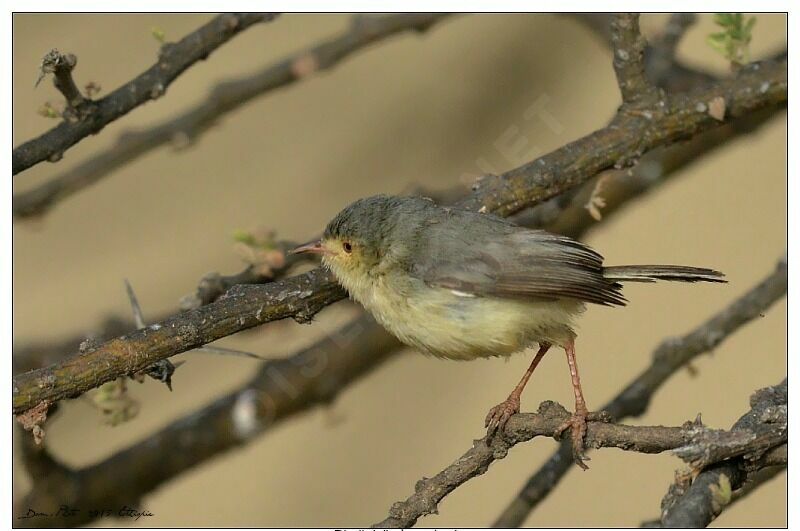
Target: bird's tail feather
(651, 273)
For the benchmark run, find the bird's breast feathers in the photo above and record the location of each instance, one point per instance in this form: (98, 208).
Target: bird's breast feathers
(457, 325)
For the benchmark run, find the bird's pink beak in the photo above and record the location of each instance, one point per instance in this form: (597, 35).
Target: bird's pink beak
(314, 247)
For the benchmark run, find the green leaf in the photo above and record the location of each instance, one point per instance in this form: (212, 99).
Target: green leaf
(748, 26)
(158, 34)
(243, 236)
(733, 41)
(723, 19)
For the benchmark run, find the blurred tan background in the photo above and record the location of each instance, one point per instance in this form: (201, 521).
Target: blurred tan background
(413, 110)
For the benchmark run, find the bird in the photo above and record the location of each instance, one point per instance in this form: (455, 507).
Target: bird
(459, 284)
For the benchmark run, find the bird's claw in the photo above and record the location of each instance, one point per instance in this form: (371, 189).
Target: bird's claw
(577, 423)
(498, 416)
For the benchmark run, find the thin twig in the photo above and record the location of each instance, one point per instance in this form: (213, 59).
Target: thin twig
(173, 60)
(634, 399)
(661, 67)
(213, 285)
(673, 32)
(61, 66)
(629, 65)
(223, 98)
(660, 57)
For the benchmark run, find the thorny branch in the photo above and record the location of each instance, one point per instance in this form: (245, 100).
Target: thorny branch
(697, 503)
(242, 307)
(210, 288)
(668, 358)
(280, 389)
(223, 98)
(173, 60)
(634, 399)
(620, 144)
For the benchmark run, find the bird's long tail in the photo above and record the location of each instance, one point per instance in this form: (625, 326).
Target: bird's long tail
(651, 273)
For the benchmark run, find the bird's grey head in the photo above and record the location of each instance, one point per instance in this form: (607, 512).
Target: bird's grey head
(370, 230)
(367, 222)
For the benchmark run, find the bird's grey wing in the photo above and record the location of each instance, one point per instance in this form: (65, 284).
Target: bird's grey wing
(520, 264)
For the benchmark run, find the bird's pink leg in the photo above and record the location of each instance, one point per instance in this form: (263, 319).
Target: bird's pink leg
(578, 419)
(499, 414)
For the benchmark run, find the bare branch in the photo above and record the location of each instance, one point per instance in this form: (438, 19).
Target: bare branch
(629, 65)
(241, 308)
(668, 358)
(674, 117)
(223, 98)
(36, 355)
(706, 447)
(661, 66)
(567, 213)
(711, 491)
(149, 85)
(523, 427)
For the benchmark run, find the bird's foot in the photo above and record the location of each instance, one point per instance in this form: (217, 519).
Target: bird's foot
(577, 424)
(498, 416)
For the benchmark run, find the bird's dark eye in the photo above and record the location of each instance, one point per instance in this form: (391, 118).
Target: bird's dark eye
(348, 247)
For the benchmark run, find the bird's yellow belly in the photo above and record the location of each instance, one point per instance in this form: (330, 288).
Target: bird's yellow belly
(446, 324)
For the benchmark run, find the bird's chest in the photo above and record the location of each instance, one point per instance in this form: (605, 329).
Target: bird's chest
(443, 323)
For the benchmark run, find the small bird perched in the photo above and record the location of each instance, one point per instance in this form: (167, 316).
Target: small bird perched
(463, 285)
